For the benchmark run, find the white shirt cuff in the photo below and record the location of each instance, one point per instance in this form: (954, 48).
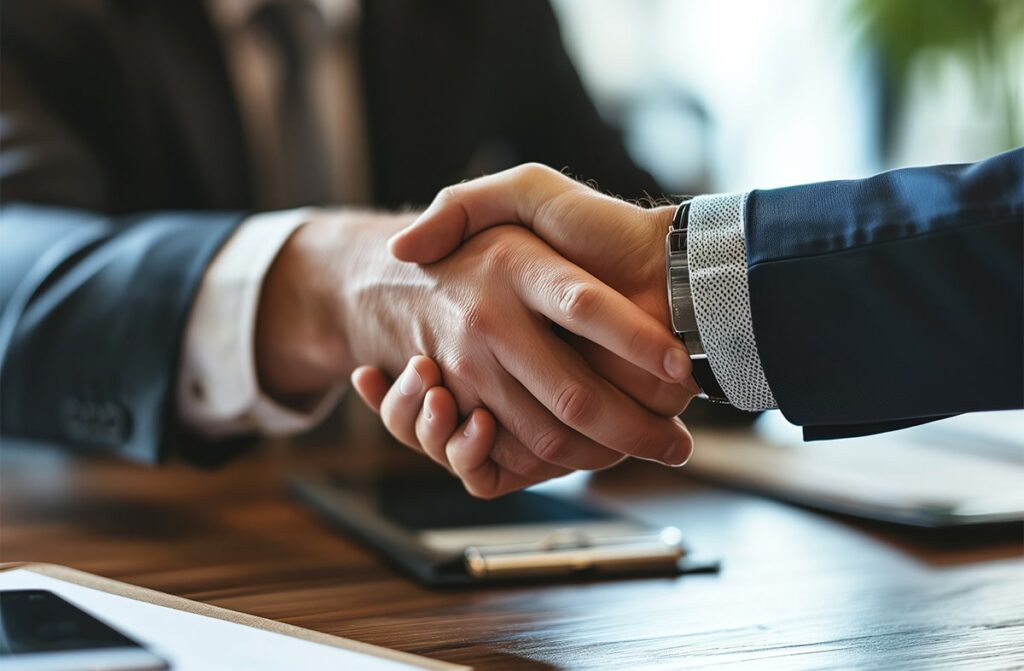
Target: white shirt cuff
(218, 389)
(717, 256)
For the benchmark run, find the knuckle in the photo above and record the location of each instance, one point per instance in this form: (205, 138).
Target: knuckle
(575, 404)
(461, 368)
(515, 457)
(449, 194)
(500, 255)
(475, 317)
(533, 171)
(638, 339)
(481, 328)
(578, 301)
(551, 444)
(642, 444)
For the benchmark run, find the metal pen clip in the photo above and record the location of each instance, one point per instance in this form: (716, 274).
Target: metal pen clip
(574, 551)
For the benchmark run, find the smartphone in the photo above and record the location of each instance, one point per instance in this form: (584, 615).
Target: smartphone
(41, 631)
(433, 529)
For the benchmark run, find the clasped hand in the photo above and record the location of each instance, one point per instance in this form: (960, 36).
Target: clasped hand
(548, 333)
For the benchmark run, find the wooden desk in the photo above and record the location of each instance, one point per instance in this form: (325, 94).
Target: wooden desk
(798, 589)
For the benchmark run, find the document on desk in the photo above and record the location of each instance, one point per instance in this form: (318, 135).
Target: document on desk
(958, 471)
(193, 636)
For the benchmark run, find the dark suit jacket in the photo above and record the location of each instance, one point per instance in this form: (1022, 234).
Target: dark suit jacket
(123, 168)
(885, 302)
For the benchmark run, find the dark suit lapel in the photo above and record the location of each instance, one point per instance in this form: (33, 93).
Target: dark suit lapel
(419, 92)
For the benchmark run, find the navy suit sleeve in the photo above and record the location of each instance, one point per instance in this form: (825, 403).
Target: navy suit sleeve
(93, 302)
(93, 313)
(889, 301)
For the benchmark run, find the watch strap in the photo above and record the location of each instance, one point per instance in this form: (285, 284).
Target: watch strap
(706, 380)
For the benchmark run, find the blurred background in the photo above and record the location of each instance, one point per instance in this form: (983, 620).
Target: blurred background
(737, 94)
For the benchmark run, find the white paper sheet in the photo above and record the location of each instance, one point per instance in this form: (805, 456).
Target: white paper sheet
(966, 469)
(196, 642)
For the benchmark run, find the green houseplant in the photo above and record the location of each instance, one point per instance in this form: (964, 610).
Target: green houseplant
(980, 33)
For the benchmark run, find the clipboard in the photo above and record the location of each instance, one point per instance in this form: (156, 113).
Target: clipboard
(401, 660)
(439, 535)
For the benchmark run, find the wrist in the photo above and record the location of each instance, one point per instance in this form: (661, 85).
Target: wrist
(376, 294)
(300, 350)
(660, 221)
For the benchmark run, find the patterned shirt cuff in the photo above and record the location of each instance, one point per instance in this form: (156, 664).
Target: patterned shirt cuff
(218, 389)
(717, 256)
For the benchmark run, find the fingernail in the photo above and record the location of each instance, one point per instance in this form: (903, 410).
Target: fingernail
(677, 364)
(426, 412)
(470, 429)
(410, 383)
(678, 454)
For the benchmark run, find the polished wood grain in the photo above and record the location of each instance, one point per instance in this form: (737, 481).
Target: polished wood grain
(798, 589)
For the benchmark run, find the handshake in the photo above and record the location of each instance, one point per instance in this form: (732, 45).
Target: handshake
(518, 329)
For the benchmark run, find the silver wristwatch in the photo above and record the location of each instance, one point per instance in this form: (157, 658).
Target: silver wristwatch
(680, 303)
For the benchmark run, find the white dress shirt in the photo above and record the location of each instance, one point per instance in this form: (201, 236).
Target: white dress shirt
(218, 389)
